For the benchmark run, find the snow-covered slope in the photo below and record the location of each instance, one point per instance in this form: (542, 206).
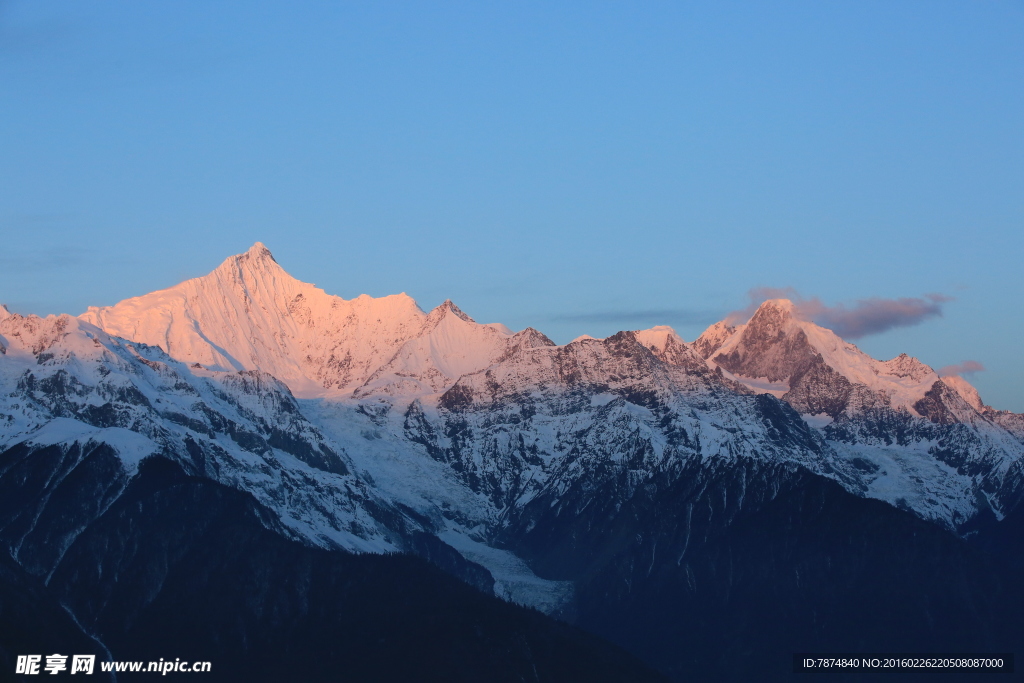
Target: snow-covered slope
(450, 344)
(65, 382)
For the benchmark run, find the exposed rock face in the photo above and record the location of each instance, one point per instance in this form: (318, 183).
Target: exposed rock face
(669, 347)
(818, 389)
(771, 345)
(942, 405)
(712, 339)
(822, 372)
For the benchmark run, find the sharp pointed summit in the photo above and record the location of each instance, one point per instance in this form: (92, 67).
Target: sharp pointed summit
(448, 306)
(258, 249)
(250, 314)
(257, 257)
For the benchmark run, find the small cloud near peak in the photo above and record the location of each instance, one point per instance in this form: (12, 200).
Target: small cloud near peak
(967, 367)
(864, 317)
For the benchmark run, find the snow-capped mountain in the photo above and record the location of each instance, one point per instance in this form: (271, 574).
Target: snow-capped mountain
(70, 384)
(505, 413)
(249, 314)
(817, 372)
(552, 475)
(923, 442)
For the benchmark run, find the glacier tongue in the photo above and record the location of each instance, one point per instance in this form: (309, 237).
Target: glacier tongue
(513, 579)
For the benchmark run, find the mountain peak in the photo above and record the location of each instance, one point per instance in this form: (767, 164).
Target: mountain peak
(782, 308)
(712, 338)
(260, 251)
(250, 314)
(773, 320)
(658, 337)
(255, 257)
(251, 266)
(533, 338)
(448, 306)
(781, 304)
(906, 366)
(805, 362)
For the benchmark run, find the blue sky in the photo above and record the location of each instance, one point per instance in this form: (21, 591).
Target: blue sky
(577, 167)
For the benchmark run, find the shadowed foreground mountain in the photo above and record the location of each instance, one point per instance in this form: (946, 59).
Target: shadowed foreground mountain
(816, 569)
(246, 469)
(183, 567)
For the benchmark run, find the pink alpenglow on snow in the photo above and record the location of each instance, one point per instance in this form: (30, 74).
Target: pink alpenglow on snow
(249, 314)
